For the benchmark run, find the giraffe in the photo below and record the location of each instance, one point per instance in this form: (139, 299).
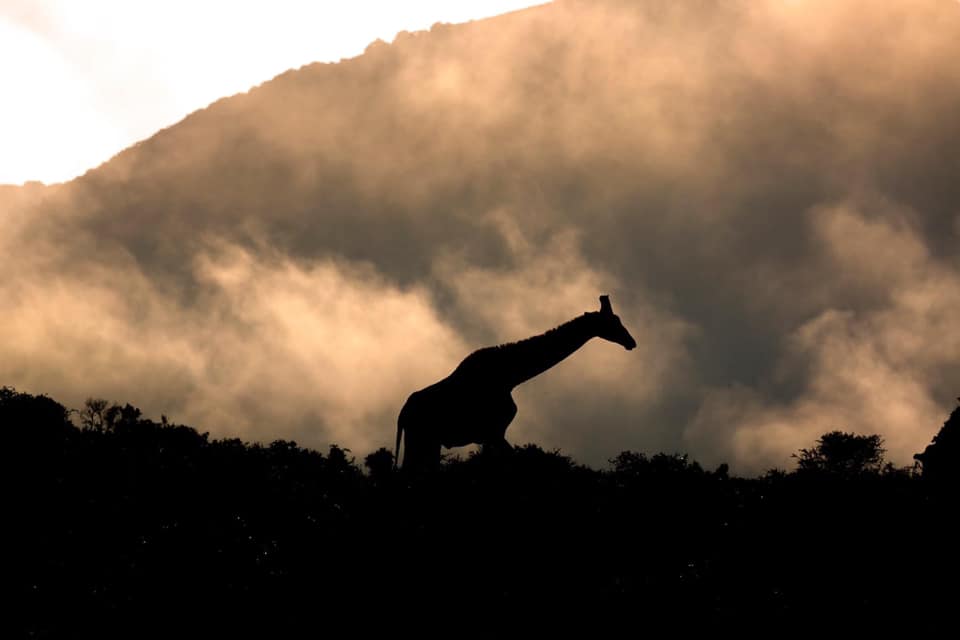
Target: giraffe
(473, 404)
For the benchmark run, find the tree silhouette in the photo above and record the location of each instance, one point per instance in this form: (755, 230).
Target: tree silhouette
(379, 464)
(93, 414)
(638, 464)
(843, 454)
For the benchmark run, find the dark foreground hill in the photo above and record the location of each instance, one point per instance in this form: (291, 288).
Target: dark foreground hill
(130, 527)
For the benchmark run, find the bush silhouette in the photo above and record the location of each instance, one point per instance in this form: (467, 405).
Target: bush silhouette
(124, 519)
(379, 464)
(843, 454)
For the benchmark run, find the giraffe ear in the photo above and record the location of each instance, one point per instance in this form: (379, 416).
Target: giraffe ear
(605, 305)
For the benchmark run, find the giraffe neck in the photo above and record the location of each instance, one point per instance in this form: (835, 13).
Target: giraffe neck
(531, 357)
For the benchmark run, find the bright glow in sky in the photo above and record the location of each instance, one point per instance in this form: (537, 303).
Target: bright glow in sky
(82, 80)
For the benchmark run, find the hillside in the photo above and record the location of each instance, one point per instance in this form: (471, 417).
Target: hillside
(767, 189)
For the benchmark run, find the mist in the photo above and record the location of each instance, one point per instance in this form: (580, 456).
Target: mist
(767, 190)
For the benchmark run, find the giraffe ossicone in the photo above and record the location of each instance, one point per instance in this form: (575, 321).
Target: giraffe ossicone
(473, 404)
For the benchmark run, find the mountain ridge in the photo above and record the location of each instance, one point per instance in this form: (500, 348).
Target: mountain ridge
(760, 186)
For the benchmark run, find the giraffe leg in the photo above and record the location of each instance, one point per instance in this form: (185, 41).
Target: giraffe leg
(421, 453)
(498, 440)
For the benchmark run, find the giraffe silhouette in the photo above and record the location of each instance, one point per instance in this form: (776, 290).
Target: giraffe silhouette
(473, 404)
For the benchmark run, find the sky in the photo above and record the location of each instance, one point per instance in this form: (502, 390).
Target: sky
(767, 190)
(84, 80)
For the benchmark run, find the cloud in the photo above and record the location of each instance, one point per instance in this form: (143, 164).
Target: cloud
(769, 198)
(869, 370)
(319, 353)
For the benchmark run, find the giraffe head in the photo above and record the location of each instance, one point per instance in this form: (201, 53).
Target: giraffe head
(610, 328)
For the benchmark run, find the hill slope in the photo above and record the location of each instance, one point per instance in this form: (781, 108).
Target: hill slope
(767, 189)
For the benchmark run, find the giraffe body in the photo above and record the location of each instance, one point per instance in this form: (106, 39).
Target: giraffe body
(473, 405)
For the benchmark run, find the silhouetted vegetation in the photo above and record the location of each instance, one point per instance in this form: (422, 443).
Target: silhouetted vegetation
(842, 454)
(122, 525)
(940, 461)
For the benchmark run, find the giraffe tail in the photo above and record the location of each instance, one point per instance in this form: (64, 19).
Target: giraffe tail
(396, 450)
